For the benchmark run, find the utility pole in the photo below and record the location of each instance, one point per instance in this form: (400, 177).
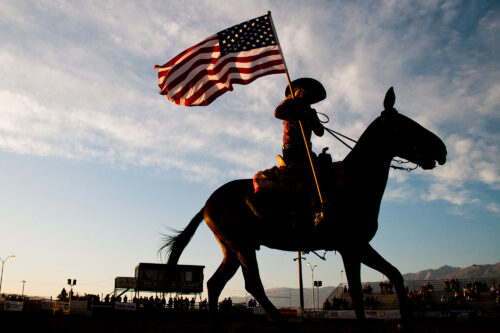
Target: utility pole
(312, 283)
(301, 286)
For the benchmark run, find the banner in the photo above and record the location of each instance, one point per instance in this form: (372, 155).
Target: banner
(371, 314)
(288, 312)
(346, 314)
(13, 306)
(125, 306)
(332, 314)
(56, 306)
(258, 310)
(392, 314)
(315, 314)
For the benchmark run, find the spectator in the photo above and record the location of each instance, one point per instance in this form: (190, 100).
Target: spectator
(447, 285)
(62, 296)
(204, 305)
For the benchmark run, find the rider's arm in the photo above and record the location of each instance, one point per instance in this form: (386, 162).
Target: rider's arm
(291, 109)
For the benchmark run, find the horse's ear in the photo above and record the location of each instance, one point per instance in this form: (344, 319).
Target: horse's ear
(389, 100)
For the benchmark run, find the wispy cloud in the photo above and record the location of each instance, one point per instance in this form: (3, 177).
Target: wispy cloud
(77, 82)
(494, 207)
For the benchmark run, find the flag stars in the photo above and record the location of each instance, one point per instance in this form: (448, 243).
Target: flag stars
(246, 36)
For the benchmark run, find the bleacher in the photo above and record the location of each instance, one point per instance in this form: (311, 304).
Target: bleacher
(389, 301)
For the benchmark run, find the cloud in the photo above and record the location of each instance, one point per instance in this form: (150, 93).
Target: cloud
(470, 160)
(398, 193)
(440, 191)
(494, 207)
(80, 85)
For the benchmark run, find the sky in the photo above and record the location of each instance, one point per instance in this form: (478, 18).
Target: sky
(96, 166)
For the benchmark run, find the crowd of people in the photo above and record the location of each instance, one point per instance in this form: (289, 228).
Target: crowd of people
(452, 285)
(386, 287)
(172, 303)
(495, 292)
(175, 303)
(468, 294)
(458, 294)
(13, 298)
(367, 289)
(336, 304)
(151, 302)
(422, 297)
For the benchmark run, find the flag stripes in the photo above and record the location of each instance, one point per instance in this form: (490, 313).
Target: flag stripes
(200, 74)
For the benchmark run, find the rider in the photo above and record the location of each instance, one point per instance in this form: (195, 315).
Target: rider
(307, 91)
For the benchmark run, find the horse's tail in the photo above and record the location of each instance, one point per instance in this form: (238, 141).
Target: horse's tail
(175, 244)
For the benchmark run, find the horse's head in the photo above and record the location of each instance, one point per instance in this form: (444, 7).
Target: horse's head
(408, 139)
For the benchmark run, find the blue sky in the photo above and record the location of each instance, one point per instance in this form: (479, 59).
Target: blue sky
(96, 165)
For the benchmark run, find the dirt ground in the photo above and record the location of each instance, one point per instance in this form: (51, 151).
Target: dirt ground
(128, 323)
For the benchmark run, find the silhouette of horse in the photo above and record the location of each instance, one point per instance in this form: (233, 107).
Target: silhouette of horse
(353, 222)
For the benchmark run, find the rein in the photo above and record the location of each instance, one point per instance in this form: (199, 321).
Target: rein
(396, 167)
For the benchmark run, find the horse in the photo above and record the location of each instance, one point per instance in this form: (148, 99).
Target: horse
(353, 222)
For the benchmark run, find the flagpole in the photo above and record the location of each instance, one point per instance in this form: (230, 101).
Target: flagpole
(300, 122)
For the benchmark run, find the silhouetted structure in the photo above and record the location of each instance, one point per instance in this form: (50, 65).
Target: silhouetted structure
(186, 279)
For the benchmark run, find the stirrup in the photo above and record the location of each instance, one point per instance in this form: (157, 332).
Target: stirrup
(281, 161)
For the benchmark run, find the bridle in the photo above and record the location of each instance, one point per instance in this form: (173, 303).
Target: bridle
(337, 136)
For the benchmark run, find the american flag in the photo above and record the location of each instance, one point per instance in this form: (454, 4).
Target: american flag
(205, 71)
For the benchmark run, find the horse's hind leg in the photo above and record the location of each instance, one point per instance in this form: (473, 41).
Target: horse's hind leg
(253, 283)
(216, 283)
(371, 258)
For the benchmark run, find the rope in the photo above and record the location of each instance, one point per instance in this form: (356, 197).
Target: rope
(334, 134)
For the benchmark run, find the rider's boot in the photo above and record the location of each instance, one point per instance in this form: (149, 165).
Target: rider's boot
(321, 215)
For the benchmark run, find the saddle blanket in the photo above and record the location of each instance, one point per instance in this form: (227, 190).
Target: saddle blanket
(277, 178)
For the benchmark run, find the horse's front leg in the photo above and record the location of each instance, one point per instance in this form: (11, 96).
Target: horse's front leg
(371, 258)
(352, 265)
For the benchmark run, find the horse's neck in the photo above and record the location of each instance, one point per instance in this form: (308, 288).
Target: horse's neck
(367, 165)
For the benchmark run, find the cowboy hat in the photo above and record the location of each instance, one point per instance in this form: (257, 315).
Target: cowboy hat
(314, 90)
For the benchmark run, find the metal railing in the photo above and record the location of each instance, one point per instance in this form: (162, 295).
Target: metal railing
(437, 285)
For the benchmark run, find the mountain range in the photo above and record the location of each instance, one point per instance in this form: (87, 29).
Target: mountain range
(447, 272)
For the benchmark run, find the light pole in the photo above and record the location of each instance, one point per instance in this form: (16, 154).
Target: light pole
(22, 292)
(1, 275)
(341, 287)
(312, 283)
(71, 283)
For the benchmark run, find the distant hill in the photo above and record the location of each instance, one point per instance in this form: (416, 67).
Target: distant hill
(448, 272)
(286, 297)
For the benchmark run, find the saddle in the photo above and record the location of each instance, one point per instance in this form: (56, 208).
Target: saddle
(283, 179)
(285, 190)
(278, 178)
